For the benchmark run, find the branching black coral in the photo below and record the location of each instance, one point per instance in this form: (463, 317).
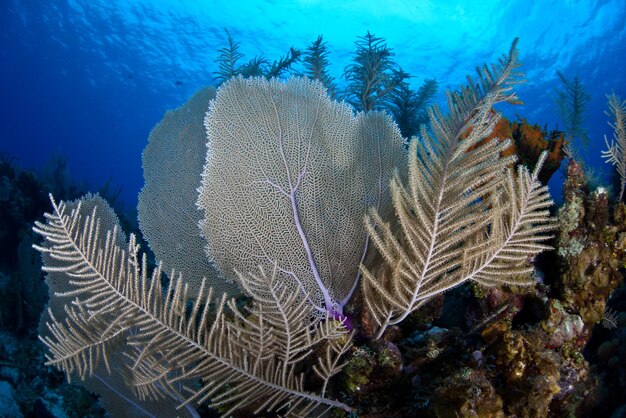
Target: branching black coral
(258, 66)
(316, 64)
(408, 107)
(572, 103)
(463, 216)
(283, 63)
(373, 75)
(244, 359)
(227, 60)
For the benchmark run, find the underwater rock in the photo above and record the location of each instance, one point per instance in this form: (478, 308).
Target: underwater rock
(358, 370)
(544, 370)
(607, 350)
(477, 359)
(562, 326)
(370, 370)
(390, 359)
(5, 189)
(468, 395)
(10, 374)
(619, 412)
(10, 408)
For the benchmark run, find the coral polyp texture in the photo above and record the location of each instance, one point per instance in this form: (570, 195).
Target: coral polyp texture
(288, 176)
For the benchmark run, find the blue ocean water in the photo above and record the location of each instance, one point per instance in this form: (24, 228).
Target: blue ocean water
(89, 79)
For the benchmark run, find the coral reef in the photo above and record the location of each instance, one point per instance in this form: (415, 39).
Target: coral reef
(549, 342)
(527, 352)
(591, 246)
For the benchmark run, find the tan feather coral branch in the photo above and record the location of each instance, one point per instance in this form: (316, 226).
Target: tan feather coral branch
(462, 217)
(243, 359)
(616, 151)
